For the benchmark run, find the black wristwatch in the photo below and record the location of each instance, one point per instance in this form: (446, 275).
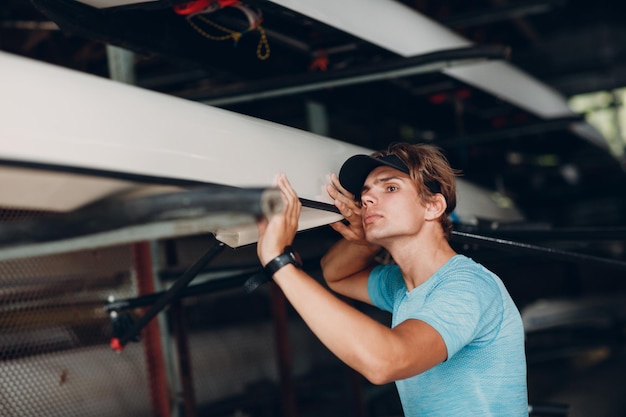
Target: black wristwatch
(289, 256)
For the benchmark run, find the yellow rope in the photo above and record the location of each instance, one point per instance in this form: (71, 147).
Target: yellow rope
(262, 49)
(263, 45)
(231, 33)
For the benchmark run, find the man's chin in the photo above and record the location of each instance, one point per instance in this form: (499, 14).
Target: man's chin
(373, 237)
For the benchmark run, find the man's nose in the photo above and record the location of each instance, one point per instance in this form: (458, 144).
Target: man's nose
(367, 199)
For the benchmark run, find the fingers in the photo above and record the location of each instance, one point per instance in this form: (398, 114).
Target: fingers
(344, 231)
(280, 229)
(351, 232)
(262, 224)
(337, 192)
(293, 206)
(347, 210)
(343, 200)
(339, 188)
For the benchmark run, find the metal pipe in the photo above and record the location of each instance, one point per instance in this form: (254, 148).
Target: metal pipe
(153, 348)
(496, 14)
(181, 335)
(118, 213)
(502, 134)
(498, 243)
(172, 293)
(545, 233)
(405, 67)
(193, 290)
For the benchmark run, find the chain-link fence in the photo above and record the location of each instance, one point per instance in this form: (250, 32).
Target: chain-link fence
(54, 353)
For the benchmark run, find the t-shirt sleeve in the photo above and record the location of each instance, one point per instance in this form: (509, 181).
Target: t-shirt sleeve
(466, 308)
(382, 285)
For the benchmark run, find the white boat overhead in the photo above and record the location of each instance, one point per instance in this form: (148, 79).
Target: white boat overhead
(70, 139)
(390, 25)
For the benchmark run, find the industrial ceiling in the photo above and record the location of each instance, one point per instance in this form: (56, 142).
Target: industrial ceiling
(304, 72)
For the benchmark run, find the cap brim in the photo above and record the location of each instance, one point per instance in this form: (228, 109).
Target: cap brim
(355, 170)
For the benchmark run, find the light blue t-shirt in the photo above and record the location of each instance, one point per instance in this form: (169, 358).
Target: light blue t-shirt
(485, 373)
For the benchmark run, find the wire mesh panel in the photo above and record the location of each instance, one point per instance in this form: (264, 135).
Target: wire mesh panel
(54, 333)
(212, 354)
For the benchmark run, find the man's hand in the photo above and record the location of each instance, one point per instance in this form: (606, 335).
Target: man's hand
(349, 209)
(279, 231)
(347, 264)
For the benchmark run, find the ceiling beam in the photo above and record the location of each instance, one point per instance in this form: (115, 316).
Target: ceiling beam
(428, 63)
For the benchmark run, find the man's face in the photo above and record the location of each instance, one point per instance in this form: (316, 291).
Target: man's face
(391, 206)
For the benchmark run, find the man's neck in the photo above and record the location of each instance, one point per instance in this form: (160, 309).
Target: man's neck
(420, 257)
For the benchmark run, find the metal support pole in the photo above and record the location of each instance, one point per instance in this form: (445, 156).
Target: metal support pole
(283, 351)
(170, 295)
(121, 64)
(181, 335)
(153, 348)
(317, 118)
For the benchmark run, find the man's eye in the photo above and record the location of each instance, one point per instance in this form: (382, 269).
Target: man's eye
(392, 188)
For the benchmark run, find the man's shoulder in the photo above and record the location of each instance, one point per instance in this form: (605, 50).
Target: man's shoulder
(461, 269)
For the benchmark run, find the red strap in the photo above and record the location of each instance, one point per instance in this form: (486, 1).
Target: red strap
(116, 345)
(225, 3)
(192, 6)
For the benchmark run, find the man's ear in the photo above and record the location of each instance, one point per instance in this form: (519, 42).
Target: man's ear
(436, 208)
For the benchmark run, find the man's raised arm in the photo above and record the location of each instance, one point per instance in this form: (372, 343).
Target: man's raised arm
(347, 264)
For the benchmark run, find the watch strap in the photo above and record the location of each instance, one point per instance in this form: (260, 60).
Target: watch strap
(289, 256)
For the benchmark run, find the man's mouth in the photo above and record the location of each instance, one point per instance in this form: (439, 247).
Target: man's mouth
(370, 218)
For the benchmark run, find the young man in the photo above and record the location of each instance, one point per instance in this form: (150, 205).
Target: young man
(456, 344)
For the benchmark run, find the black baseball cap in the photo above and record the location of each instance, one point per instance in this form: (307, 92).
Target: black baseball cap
(355, 170)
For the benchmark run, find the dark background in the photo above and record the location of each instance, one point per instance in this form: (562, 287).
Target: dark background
(561, 181)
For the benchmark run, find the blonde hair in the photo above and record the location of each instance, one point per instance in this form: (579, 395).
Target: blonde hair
(431, 172)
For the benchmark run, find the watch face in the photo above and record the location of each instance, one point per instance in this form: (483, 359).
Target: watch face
(295, 256)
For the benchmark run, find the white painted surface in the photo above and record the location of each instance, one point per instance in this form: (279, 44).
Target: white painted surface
(56, 116)
(59, 117)
(401, 29)
(512, 85)
(404, 31)
(386, 23)
(34, 189)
